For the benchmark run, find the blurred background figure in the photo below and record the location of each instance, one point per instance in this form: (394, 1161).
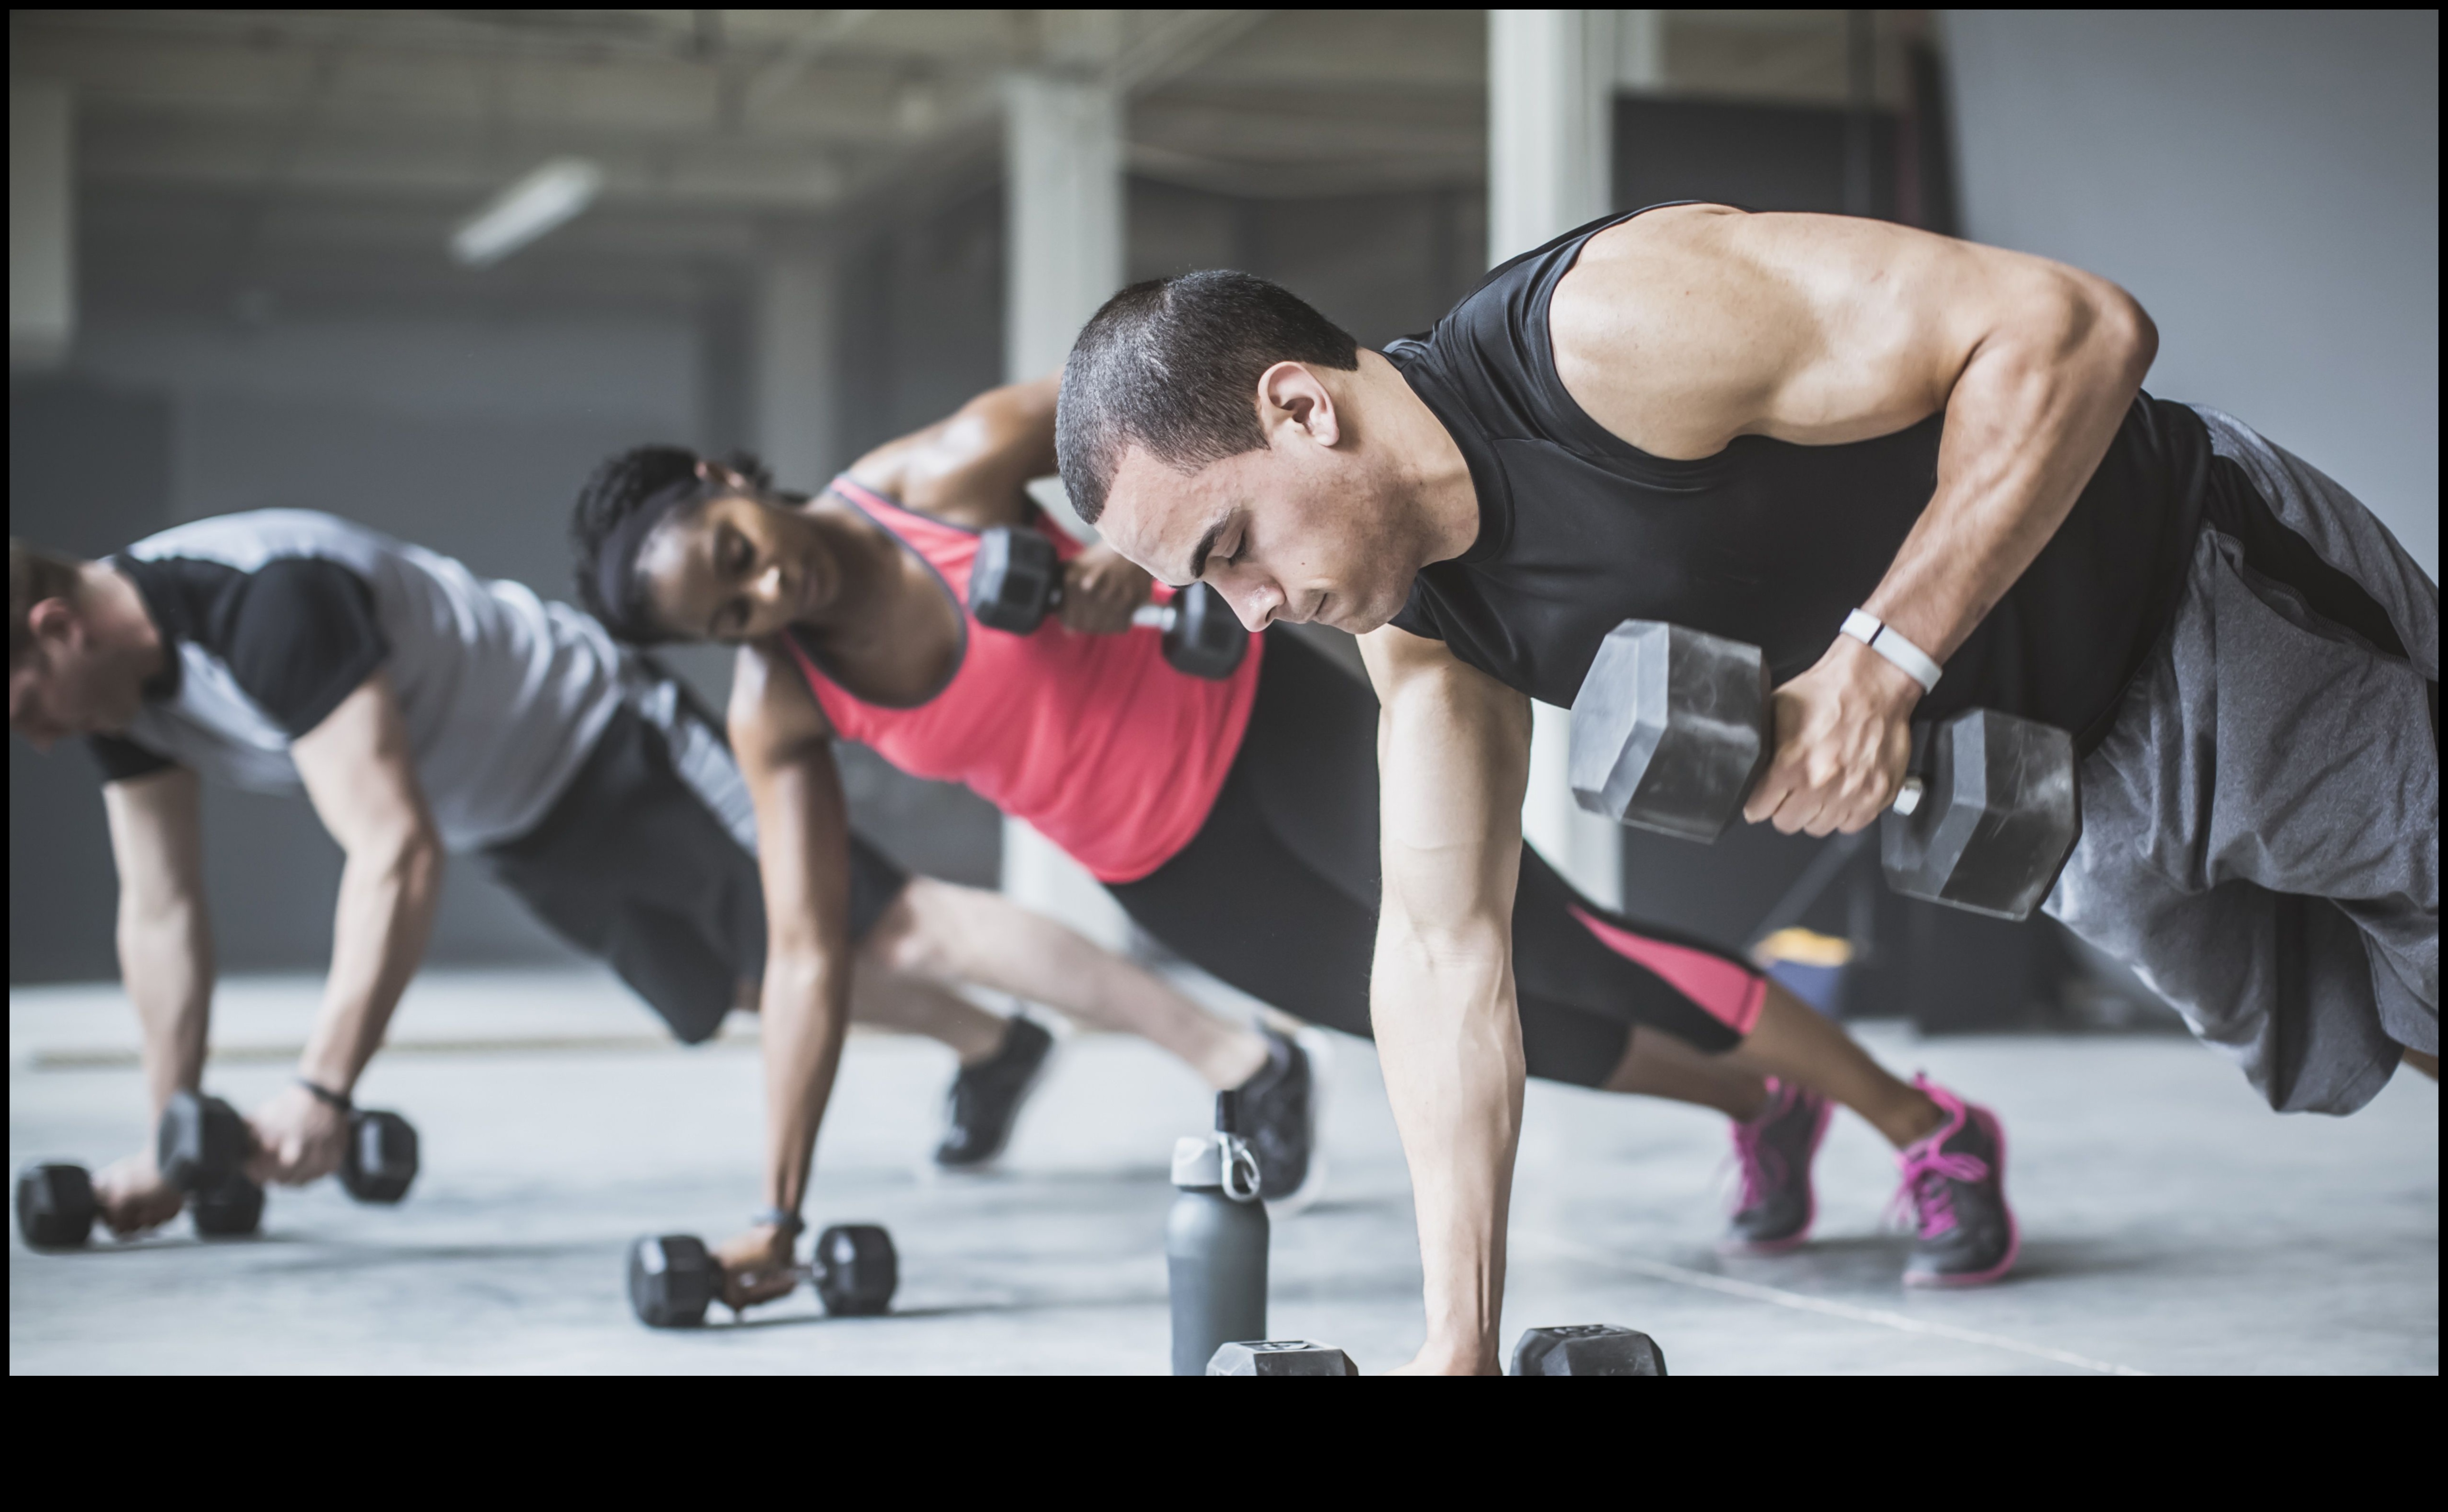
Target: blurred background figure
(422, 268)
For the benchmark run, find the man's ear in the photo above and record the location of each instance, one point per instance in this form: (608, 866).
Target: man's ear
(1291, 394)
(54, 620)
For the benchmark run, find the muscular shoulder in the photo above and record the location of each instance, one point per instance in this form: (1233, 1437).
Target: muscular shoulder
(973, 465)
(773, 717)
(1687, 327)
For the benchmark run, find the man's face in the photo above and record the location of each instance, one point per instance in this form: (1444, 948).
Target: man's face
(66, 684)
(1299, 530)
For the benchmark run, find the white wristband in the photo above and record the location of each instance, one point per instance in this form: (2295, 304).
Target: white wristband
(1914, 662)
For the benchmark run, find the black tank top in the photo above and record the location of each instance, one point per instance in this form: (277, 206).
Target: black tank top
(1767, 542)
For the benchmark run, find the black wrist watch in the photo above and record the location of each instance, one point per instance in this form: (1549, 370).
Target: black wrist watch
(326, 1096)
(789, 1223)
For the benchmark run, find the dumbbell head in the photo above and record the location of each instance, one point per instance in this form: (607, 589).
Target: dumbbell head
(2000, 814)
(55, 1206)
(1587, 1349)
(381, 1160)
(672, 1281)
(1013, 579)
(1671, 729)
(1205, 639)
(231, 1208)
(201, 1141)
(1281, 1357)
(855, 1270)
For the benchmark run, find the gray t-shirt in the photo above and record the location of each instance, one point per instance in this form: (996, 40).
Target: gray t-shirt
(277, 614)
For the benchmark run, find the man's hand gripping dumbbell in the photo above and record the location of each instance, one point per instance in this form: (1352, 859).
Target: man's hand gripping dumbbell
(1674, 728)
(203, 1143)
(1018, 579)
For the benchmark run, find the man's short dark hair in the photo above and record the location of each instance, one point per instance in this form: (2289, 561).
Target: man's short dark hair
(1171, 366)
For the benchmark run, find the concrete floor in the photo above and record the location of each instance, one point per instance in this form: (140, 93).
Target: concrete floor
(2172, 1223)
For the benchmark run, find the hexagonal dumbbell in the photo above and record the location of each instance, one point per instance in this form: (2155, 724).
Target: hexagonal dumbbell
(1673, 728)
(1586, 1349)
(202, 1144)
(1281, 1357)
(674, 1278)
(55, 1206)
(1016, 581)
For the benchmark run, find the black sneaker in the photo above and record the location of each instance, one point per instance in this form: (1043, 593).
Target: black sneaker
(986, 1098)
(1775, 1150)
(1955, 1185)
(1278, 1117)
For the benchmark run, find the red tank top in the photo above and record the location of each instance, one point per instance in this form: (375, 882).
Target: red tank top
(1093, 739)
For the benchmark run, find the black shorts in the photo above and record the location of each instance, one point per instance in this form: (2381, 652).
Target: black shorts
(1278, 895)
(646, 861)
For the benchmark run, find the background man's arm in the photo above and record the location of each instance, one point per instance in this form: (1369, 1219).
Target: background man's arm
(1822, 329)
(360, 774)
(166, 961)
(785, 749)
(1453, 752)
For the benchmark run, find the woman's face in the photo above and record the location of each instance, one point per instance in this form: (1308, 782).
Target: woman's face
(737, 569)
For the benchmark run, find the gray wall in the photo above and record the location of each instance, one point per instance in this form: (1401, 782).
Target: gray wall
(2265, 183)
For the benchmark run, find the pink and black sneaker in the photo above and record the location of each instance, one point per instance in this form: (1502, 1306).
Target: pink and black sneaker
(1774, 1150)
(1955, 1183)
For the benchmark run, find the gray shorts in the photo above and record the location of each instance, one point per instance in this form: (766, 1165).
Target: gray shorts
(648, 861)
(2261, 825)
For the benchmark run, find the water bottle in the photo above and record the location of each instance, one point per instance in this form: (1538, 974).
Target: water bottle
(1216, 1244)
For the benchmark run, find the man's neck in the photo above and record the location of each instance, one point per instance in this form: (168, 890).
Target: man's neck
(1427, 468)
(115, 616)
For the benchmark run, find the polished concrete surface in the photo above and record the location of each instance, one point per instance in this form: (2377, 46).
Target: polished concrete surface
(2172, 1223)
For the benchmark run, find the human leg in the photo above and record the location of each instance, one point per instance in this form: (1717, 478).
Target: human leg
(2261, 822)
(941, 932)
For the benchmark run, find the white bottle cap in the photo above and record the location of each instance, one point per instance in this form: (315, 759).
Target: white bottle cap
(1198, 1162)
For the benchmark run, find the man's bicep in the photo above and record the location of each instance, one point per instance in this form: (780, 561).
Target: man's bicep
(360, 770)
(156, 831)
(1453, 749)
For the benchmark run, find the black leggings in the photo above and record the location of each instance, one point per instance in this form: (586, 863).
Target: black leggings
(1278, 895)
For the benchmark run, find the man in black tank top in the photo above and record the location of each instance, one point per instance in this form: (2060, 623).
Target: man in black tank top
(1922, 475)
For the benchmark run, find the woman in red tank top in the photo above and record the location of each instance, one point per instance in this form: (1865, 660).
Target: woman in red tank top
(1234, 820)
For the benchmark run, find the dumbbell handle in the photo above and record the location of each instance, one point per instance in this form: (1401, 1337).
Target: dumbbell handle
(1147, 615)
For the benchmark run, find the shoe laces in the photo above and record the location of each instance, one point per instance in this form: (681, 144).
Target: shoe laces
(1763, 1166)
(1929, 1169)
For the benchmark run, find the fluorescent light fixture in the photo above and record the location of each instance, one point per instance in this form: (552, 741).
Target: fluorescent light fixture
(527, 210)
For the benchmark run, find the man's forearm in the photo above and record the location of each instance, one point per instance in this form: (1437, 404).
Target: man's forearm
(165, 960)
(805, 1007)
(384, 918)
(1449, 1039)
(2027, 423)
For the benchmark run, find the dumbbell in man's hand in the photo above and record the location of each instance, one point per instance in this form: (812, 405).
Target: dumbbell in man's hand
(1673, 728)
(202, 1144)
(1016, 579)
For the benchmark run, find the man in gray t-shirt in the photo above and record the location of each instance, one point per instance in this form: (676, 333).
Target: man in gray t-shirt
(422, 711)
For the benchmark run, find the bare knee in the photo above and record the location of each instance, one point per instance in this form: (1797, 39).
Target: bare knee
(918, 935)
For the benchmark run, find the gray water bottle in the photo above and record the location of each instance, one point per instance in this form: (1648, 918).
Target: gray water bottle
(1215, 1245)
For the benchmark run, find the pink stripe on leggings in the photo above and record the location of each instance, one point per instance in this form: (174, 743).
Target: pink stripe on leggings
(1727, 992)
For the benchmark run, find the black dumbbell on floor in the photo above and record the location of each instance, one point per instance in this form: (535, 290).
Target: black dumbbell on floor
(1016, 581)
(674, 1278)
(1672, 727)
(1580, 1349)
(56, 1207)
(1586, 1349)
(202, 1145)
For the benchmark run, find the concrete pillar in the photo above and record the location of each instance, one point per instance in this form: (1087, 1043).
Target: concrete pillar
(42, 262)
(798, 396)
(1063, 182)
(1551, 79)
